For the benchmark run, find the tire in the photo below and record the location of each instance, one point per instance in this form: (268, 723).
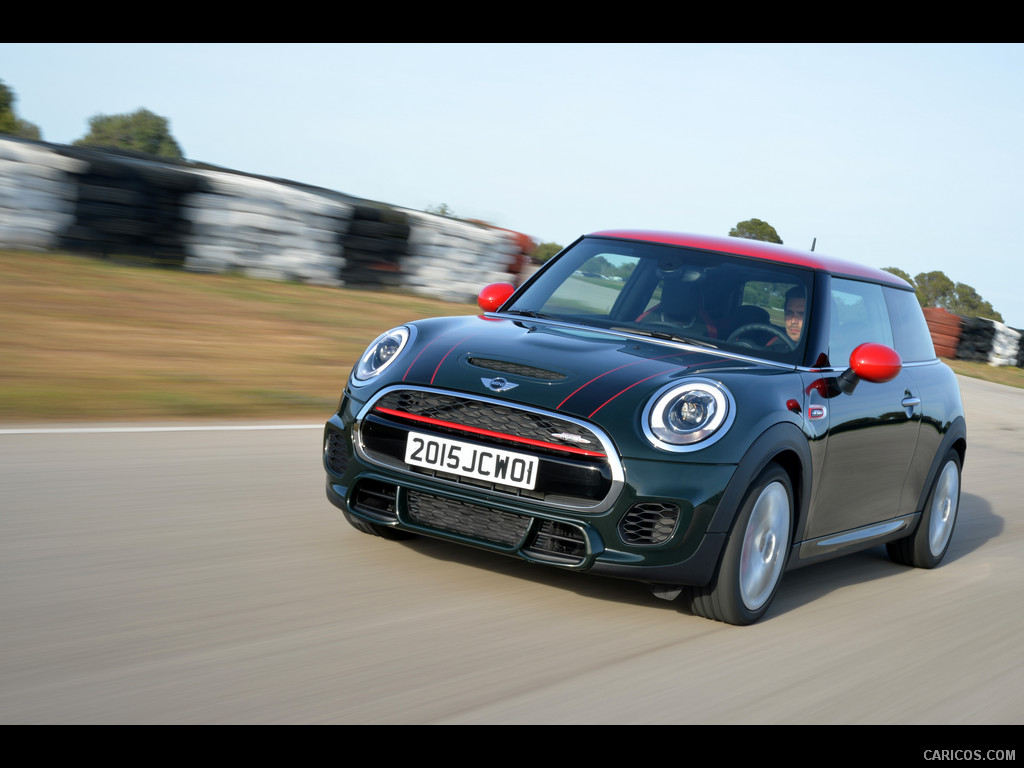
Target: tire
(928, 544)
(755, 554)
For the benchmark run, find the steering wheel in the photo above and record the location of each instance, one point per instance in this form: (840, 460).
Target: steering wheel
(737, 335)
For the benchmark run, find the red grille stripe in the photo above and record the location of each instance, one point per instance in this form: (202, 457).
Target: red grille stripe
(489, 433)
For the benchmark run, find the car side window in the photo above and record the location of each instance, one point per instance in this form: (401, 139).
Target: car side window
(858, 314)
(913, 340)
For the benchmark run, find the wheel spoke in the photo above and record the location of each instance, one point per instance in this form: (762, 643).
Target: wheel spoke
(944, 508)
(764, 545)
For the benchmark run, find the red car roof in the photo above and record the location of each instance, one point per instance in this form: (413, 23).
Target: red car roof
(760, 250)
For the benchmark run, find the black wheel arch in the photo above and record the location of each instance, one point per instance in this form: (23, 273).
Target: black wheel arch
(783, 444)
(955, 438)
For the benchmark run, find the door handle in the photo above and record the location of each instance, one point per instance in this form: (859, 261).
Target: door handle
(909, 403)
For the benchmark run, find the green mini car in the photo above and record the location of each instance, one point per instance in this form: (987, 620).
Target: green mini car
(699, 414)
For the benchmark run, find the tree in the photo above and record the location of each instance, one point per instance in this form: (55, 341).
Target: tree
(141, 131)
(934, 289)
(899, 273)
(968, 303)
(545, 251)
(442, 209)
(10, 123)
(755, 229)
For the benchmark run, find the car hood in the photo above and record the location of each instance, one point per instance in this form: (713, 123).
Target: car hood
(587, 373)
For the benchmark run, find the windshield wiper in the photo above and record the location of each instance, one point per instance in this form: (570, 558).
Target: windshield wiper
(665, 335)
(527, 313)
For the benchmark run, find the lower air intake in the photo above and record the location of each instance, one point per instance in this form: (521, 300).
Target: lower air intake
(472, 520)
(557, 542)
(376, 499)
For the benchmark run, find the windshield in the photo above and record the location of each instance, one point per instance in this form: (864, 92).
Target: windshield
(727, 302)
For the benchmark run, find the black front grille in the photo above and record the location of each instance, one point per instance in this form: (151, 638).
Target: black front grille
(493, 417)
(473, 520)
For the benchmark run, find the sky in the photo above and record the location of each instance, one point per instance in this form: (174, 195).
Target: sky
(890, 155)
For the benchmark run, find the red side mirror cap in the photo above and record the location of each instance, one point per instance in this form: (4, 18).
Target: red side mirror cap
(876, 362)
(494, 295)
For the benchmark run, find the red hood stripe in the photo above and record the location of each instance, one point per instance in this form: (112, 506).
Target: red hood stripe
(452, 349)
(619, 368)
(428, 345)
(639, 381)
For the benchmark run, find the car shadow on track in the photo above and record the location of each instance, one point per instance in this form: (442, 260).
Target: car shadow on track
(801, 587)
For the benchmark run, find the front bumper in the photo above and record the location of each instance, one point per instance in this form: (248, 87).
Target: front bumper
(654, 529)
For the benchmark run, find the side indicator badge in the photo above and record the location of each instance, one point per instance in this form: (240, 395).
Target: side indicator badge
(816, 412)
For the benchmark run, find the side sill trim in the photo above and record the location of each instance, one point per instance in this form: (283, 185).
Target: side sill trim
(860, 536)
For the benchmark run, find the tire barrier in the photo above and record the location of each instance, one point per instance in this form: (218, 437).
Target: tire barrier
(129, 206)
(37, 195)
(376, 246)
(1005, 345)
(945, 328)
(975, 339)
(453, 260)
(207, 219)
(264, 229)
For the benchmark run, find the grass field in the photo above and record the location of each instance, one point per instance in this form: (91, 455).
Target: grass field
(84, 338)
(87, 339)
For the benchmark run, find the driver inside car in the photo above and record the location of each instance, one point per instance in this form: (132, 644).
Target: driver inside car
(796, 304)
(795, 307)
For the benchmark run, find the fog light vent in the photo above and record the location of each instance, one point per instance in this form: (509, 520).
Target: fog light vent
(336, 453)
(652, 522)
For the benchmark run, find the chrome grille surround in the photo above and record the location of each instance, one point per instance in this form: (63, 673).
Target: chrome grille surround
(478, 412)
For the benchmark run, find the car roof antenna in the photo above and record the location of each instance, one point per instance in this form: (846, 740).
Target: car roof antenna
(813, 241)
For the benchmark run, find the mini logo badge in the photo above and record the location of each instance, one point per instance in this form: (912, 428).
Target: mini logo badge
(499, 384)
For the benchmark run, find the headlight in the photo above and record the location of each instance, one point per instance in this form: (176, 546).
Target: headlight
(380, 354)
(688, 416)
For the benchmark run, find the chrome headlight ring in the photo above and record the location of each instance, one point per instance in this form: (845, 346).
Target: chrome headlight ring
(688, 415)
(381, 353)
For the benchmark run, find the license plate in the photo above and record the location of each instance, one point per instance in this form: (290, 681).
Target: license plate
(491, 464)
